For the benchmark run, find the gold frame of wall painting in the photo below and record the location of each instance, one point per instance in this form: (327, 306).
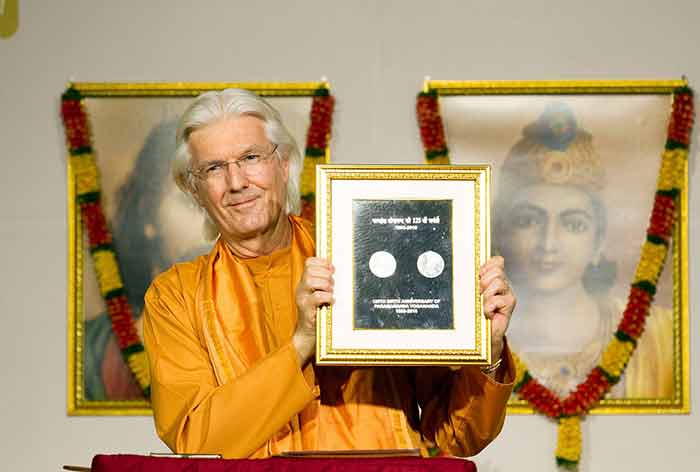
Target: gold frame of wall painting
(9, 18)
(97, 97)
(418, 302)
(509, 106)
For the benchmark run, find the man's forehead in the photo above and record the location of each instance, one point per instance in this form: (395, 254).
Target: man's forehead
(229, 137)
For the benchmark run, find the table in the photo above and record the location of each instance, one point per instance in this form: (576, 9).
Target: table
(136, 463)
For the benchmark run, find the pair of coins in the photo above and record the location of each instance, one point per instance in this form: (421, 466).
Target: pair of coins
(430, 264)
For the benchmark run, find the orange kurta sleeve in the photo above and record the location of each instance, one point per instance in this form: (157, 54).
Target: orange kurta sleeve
(192, 413)
(463, 410)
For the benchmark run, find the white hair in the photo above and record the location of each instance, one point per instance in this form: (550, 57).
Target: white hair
(214, 106)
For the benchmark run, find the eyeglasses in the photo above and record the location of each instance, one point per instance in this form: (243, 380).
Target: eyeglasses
(251, 163)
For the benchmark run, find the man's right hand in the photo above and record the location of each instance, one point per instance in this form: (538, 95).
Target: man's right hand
(315, 289)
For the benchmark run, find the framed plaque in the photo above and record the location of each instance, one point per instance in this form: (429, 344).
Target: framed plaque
(406, 243)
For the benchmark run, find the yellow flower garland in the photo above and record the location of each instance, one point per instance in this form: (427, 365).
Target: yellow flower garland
(87, 179)
(138, 363)
(616, 356)
(569, 439)
(672, 169)
(652, 259)
(308, 177)
(107, 271)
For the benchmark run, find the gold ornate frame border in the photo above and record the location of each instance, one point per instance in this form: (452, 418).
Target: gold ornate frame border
(9, 18)
(552, 87)
(680, 402)
(77, 405)
(480, 176)
(192, 89)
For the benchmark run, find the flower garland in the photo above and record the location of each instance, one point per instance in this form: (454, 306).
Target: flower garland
(432, 132)
(316, 151)
(88, 197)
(569, 411)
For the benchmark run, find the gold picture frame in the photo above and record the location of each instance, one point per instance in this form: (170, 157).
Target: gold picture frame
(618, 129)
(9, 18)
(130, 124)
(405, 292)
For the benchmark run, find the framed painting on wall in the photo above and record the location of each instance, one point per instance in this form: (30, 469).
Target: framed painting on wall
(128, 221)
(576, 172)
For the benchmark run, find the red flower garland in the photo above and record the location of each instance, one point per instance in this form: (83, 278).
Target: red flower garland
(662, 216)
(317, 140)
(432, 132)
(321, 118)
(99, 236)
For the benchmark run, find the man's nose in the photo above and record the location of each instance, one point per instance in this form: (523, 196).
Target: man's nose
(236, 178)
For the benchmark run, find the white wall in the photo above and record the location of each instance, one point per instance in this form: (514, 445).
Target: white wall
(376, 54)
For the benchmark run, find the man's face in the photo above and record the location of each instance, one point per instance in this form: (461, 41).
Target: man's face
(243, 203)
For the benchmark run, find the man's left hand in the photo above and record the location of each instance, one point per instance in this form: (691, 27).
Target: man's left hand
(499, 301)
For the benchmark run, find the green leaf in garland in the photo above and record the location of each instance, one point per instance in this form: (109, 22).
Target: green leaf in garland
(315, 152)
(430, 93)
(566, 463)
(671, 145)
(321, 92)
(657, 240)
(71, 94)
(625, 338)
(434, 153)
(647, 286)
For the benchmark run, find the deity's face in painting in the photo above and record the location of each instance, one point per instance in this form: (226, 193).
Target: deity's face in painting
(550, 234)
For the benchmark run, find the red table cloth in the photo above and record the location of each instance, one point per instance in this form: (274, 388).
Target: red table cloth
(135, 463)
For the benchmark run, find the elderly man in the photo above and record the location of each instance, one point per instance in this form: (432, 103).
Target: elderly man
(231, 335)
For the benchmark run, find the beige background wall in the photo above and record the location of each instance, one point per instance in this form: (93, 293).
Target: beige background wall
(376, 54)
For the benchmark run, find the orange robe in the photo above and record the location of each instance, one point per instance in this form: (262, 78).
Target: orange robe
(226, 378)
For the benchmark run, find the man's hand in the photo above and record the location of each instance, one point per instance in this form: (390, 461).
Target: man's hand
(315, 289)
(499, 301)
